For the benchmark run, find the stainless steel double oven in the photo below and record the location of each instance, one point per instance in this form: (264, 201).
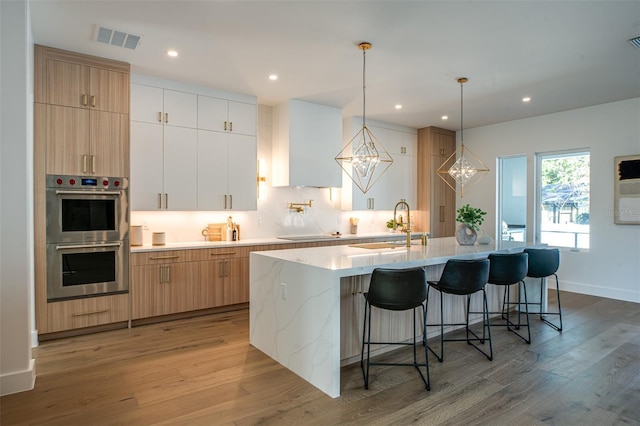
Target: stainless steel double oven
(87, 236)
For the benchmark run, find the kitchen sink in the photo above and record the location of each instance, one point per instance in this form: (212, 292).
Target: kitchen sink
(309, 237)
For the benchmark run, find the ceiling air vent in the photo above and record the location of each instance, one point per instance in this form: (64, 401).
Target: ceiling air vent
(117, 38)
(635, 41)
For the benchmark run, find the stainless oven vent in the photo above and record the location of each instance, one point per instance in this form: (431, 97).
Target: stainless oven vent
(117, 38)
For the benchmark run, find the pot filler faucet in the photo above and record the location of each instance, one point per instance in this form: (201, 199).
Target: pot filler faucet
(395, 224)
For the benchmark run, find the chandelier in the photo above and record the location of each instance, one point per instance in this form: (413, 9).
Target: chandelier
(466, 170)
(364, 159)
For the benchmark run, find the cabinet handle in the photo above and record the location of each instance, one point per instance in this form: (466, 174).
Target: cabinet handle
(162, 257)
(82, 314)
(161, 274)
(223, 252)
(231, 126)
(84, 99)
(168, 274)
(225, 201)
(226, 268)
(221, 269)
(231, 202)
(441, 213)
(225, 126)
(93, 101)
(166, 117)
(159, 200)
(166, 200)
(159, 116)
(84, 164)
(442, 151)
(93, 164)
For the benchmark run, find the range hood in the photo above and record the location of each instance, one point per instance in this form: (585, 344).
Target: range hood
(306, 138)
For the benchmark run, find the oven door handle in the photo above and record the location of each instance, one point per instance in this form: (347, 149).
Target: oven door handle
(116, 193)
(80, 246)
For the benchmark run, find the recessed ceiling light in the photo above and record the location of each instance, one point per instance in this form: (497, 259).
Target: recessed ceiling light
(445, 117)
(172, 53)
(398, 106)
(273, 77)
(526, 99)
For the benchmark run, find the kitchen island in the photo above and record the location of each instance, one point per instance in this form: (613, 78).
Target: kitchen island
(306, 304)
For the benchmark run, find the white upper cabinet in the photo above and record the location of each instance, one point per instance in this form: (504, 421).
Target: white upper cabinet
(182, 156)
(162, 106)
(306, 139)
(222, 115)
(399, 182)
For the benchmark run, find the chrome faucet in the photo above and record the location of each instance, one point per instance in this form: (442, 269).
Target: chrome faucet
(408, 227)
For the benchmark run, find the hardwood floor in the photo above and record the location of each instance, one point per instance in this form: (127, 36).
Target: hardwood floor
(202, 371)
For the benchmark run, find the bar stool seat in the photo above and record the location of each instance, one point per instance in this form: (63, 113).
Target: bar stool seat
(543, 263)
(507, 269)
(463, 277)
(395, 290)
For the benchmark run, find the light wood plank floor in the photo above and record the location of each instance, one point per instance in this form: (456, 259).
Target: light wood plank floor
(202, 371)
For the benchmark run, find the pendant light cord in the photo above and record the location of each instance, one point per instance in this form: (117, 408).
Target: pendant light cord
(461, 116)
(364, 95)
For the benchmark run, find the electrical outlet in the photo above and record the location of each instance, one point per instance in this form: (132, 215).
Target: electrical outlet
(145, 225)
(283, 291)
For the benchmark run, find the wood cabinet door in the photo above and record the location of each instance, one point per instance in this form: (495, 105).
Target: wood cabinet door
(182, 281)
(67, 140)
(243, 118)
(67, 84)
(236, 283)
(109, 90)
(146, 183)
(147, 292)
(109, 144)
(210, 292)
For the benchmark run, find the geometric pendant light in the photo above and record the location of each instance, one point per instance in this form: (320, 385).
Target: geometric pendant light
(364, 159)
(467, 170)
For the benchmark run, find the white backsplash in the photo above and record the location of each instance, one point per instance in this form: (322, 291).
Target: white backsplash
(272, 219)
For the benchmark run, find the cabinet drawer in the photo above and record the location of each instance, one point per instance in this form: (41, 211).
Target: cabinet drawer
(87, 312)
(226, 252)
(162, 257)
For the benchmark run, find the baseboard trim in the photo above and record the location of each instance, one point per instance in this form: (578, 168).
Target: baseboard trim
(600, 291)
(19, 381)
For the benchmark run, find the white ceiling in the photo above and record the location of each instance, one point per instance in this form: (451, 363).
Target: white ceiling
(563, 54)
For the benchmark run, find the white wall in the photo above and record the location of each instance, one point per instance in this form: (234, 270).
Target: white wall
(17, 372)
(611, 267)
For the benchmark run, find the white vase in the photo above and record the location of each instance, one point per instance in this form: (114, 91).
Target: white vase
(466, 235)
(484, 238)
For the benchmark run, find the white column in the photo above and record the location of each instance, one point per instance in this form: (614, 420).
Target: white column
(17, 371)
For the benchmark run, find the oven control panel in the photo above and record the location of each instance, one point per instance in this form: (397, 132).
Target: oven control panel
(86, 182)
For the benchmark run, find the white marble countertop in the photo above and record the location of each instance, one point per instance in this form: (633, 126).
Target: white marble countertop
(346, 260)
(263, 241)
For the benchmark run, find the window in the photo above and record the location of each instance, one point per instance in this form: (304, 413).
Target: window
(562, 198)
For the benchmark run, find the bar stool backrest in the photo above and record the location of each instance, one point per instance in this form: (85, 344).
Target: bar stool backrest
(397, 289)
(464, 276)
(507, 268)
(542, 262)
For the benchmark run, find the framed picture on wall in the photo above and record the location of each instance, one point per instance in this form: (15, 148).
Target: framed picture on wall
(626, 204)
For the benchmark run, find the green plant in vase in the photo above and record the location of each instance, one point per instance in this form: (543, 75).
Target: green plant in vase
(470, 219)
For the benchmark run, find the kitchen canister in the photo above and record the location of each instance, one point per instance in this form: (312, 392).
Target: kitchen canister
(135, 235)
(158, 239)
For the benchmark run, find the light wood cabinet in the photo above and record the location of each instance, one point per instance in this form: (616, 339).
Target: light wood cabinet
(222, 115)
(436, 200)
(88, 312)
(81, 127)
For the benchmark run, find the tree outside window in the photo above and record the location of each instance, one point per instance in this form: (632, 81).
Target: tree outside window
(563, 216)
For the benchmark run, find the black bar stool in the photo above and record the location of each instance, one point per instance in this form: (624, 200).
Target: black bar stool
(544, 263)
(395, 290)
(463, 277)
(507, 269)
